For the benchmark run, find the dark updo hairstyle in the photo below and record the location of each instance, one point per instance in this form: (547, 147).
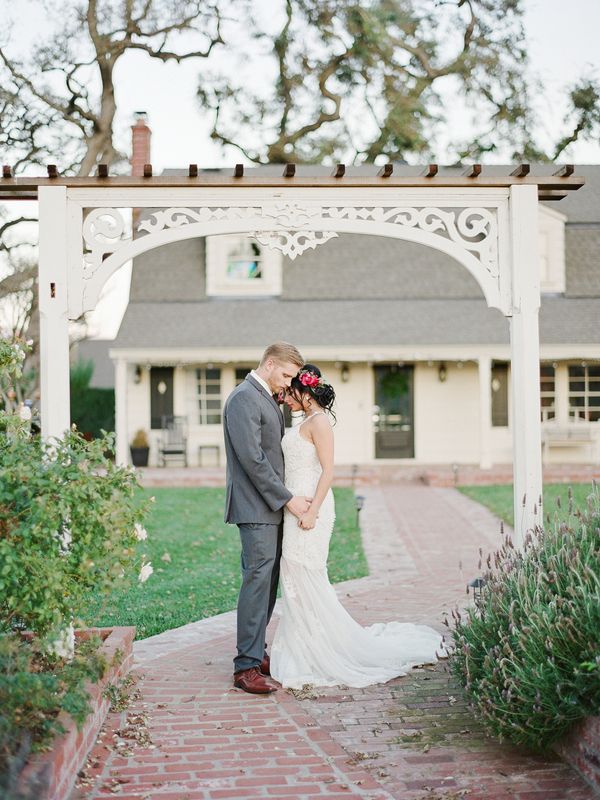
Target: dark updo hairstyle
(323, 395)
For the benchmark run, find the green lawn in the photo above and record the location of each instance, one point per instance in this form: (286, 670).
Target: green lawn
(196, 560)
(499, 499)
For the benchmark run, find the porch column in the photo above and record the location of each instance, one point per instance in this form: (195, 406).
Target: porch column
(122, 443)
(485, 411)
(525, 356)
(55, 403)
(561, 393)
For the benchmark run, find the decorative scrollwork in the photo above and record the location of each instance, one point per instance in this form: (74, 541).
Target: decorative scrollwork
(102, 230)
(289, 226)
(293, 243)
(475, 229)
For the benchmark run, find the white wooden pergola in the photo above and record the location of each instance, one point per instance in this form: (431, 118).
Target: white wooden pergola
(489, 224)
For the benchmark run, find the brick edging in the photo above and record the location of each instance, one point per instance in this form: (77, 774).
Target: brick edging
(69, 750)
(581, 749)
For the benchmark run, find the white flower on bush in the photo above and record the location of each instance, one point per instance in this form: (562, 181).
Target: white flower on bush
(140, 532)
(64, 645)
(145, 572)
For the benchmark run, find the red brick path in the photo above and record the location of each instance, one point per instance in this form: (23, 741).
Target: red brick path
(413, 738)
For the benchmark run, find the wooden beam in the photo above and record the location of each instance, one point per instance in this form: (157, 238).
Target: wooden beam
(52, 171)
(386, 171)
(6, 171)
(474, 171)
(521, 171)
(339, 171)
(238, 171)
(102, 171)
(431, 170)
(565, 172)
(209, 179)
(193, 171)
(548, 194)
(289, 171)
(147, 170)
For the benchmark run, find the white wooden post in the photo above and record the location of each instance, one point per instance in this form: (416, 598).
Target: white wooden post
(485, 411)
(525, 355)
(54, 321)
(122, 443)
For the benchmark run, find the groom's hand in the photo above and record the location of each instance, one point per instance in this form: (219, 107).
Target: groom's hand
(299, 505)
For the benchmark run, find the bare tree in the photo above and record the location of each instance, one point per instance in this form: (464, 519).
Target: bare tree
(358, 80)
(58, 105)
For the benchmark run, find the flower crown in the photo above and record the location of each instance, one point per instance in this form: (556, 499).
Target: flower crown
(311, 379)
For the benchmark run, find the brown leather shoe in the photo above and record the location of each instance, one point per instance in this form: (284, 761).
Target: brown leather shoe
(265, 667)
(251, 680)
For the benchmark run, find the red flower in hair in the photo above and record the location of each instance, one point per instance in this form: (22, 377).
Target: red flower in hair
(308, 379)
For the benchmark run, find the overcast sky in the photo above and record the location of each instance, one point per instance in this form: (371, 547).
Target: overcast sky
(563, 39)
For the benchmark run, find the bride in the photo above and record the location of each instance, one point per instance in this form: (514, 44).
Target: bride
(317, 641)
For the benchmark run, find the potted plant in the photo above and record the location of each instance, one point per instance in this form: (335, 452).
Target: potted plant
(139, 449)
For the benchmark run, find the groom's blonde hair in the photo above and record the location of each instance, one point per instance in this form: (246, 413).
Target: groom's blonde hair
(283, 352)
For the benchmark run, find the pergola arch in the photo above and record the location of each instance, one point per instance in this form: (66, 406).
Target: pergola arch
(490, 282)
(489, 225)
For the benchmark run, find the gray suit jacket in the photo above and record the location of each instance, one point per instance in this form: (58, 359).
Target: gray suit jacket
(253, 427)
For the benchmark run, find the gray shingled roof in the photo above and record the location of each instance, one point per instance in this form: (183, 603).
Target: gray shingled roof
(232, 323)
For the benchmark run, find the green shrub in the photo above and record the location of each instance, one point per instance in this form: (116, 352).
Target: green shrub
(69, 526)
(34, 688)
(528, 651)
(92, 409)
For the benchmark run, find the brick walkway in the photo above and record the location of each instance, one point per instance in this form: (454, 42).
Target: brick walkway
(189, 736)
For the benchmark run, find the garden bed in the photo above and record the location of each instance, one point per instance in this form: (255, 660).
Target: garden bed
(67, 754)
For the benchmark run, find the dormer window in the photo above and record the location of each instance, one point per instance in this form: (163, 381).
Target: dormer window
(237, 265)
(244, 262)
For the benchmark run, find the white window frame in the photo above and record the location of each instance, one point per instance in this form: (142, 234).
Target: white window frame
(551, 238)
(218, 283)
(582, 413)
(201, 395)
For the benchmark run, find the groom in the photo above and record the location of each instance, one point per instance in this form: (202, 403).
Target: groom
(253, 428)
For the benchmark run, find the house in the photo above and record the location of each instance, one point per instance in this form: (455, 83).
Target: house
(401, 330)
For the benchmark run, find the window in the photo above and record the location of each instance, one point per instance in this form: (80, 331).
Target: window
(547, 392)
(237, 265)
(499, 394)
(240, 374)
(208, 392)
(584, 392)
(244, 262)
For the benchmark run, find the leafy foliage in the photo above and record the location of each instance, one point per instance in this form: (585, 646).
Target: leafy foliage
(528, 652)
(355, 80)
(92, 408)
(34, 689)
(67, 526)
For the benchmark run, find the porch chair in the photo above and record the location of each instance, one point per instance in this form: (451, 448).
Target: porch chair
(173, 440)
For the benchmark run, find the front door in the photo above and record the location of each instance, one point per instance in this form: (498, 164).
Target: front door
(393, 412)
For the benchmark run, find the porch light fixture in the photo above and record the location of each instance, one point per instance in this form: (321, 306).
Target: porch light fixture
(345, 373)
(442, 372)
(137, 378)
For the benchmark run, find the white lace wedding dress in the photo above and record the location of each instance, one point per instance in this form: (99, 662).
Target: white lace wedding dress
(317, 642)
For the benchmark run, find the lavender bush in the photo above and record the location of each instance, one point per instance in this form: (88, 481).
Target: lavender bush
(528, 651)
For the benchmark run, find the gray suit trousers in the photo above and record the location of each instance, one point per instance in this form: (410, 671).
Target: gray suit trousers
(261, 551)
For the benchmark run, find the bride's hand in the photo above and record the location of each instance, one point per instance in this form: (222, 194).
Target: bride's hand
(307, 521)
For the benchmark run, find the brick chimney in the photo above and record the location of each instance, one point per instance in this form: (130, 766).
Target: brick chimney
(140, 144)
(141, 136)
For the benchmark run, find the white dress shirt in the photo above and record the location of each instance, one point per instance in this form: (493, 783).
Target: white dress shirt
(262, 382)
